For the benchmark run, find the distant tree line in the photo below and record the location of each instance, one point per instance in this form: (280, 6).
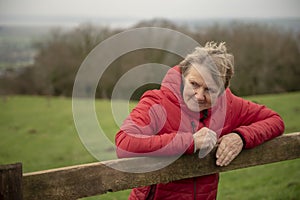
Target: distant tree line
(266, 59)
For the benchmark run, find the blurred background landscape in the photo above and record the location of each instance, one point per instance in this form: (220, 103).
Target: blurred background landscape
(43, 43)
(43, 60)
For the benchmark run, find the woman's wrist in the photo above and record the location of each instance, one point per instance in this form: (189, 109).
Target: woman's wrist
(242, 137)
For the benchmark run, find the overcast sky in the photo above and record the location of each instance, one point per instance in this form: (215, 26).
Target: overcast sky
(146, 9)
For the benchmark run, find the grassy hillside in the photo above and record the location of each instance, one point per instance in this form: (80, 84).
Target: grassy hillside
(40, 133)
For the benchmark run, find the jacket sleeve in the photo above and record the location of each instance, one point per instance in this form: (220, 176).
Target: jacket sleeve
(138, 135)
(253, 122)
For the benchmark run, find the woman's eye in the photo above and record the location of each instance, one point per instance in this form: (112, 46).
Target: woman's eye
(194, 84)
(210, 90)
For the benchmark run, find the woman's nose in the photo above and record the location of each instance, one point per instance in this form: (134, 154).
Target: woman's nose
(199, 94)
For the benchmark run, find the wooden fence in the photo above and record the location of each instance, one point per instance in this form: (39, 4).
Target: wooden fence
(98, 178)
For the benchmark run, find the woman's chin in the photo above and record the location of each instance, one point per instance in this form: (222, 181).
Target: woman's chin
(196, 107)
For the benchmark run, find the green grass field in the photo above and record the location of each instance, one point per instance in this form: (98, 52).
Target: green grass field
(40, 133)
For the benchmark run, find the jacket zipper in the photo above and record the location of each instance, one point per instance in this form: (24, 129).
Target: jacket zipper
(195, 188)
(151, 193)
(194, 179)
(193, 126)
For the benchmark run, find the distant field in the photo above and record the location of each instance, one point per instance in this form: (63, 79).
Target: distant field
(40, 133)
(17, 44)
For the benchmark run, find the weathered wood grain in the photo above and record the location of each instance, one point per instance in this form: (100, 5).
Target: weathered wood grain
(11, 182)
(98, 178)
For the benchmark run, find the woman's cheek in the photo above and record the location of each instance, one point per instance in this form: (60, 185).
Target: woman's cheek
(188, 91)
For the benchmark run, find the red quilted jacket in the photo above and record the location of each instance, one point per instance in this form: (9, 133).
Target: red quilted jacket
(161, 124)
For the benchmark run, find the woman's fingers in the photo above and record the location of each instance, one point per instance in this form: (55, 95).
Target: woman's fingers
(207, 146)
(230, 146)
(205, 140)
(221, 147)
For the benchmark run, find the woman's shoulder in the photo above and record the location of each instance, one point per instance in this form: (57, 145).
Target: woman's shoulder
(152, 96)
(162, 97)
(232, 98)
(241, 106)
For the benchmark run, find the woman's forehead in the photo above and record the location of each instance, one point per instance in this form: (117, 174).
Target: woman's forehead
(201, 74)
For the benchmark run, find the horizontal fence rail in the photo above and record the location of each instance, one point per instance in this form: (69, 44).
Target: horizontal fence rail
(99, 178)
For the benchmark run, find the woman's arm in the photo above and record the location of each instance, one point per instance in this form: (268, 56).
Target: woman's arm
(138, 136)
(254, 123)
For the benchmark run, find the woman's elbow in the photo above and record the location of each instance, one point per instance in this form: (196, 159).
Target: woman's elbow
(280, 125)
(122, 145)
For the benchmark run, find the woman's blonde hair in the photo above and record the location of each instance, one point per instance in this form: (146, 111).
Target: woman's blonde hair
(213, 57)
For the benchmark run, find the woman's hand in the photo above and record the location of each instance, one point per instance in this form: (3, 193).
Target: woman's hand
(230, 146)
(204, 140)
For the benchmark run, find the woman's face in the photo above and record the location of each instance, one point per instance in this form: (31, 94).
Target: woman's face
(199, 93)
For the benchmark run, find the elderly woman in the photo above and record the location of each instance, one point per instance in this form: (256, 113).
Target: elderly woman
(193, 111)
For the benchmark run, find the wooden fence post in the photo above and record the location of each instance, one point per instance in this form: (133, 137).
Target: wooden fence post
(11, 182)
